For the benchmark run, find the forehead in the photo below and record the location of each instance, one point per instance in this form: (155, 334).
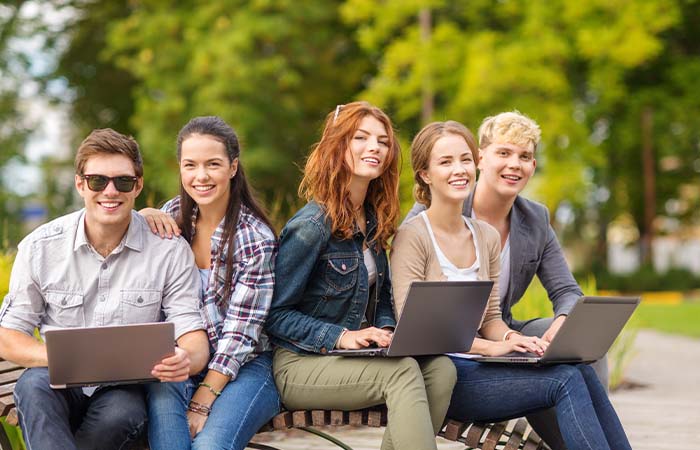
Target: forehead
(372, 125)
(202, 146)
(512, 147)
(450, 145)
(109, 164)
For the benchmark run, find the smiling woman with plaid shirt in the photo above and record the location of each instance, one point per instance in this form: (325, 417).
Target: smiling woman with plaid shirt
(235, 248)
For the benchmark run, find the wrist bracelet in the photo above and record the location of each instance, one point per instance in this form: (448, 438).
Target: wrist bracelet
(211, 388)
(198, 408)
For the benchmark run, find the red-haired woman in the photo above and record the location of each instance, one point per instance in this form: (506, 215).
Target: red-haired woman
(333, 289)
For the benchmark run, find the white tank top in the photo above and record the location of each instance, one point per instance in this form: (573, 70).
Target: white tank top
(452, 272)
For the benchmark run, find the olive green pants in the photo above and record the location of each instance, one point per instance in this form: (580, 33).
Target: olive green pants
(416, 391)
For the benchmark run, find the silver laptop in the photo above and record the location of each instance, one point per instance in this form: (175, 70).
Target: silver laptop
(107, 355)
(438, 317)
(585, 336)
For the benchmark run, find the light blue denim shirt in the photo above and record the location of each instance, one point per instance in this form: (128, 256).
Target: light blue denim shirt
(321, 284)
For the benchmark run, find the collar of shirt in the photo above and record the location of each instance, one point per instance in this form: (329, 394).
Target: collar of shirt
(133, 239)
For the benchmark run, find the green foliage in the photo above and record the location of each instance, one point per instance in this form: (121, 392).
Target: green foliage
(6, 260)
(271, 69)
(682, 319)
(14, 434)
(648, 279)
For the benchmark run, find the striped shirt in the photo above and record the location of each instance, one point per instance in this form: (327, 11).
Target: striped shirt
(235, 324)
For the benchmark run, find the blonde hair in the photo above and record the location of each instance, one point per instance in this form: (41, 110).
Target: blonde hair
(509, 127)
(422, 147)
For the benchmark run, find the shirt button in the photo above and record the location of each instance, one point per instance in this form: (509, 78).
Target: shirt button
(104, 266)
(102, 298)
(64, 302)
(344, 267)
(139, 300)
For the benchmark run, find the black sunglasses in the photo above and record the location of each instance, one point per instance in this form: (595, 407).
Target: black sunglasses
(99, 183)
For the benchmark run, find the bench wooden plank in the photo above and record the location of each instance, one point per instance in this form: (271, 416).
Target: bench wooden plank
(11, 376)
(494, 436)
(516, 435)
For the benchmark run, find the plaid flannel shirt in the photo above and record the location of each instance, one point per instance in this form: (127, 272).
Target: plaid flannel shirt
(235, 325)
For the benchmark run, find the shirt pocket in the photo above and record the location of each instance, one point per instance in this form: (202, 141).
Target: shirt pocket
(341, 272)
(140, 305)
(65, 309)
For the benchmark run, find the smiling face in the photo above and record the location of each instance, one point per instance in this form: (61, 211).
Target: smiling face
(366, 155)
(109, 208)
(451, 170)
(205, 170)
(506, 168)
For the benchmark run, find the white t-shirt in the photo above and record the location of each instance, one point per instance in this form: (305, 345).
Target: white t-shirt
(452, 272)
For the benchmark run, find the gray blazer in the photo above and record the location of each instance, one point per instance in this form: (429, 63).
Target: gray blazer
(534, 249)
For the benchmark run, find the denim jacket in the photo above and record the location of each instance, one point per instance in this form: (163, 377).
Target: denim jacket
(321, 284)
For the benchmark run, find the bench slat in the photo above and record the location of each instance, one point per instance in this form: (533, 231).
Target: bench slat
(494, 436)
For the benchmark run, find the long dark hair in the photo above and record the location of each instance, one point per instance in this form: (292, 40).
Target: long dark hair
(240, 190)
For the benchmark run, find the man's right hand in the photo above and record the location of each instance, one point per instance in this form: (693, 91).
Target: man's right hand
(353, 340)
(173, 368)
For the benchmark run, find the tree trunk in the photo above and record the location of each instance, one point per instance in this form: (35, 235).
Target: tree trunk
(649, 183)
(428, 96)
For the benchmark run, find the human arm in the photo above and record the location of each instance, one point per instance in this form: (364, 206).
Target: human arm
(22, 310)
(301, 243)
(191, 356)
(553, 271)
(22, 349)
(206, 394)
(247, 307)
(408, 261)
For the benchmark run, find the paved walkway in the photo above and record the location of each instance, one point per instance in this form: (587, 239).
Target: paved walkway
(662, 415)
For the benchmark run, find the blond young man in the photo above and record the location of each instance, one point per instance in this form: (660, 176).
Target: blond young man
(529, 246)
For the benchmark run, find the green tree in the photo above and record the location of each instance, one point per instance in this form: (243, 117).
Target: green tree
(271, 69)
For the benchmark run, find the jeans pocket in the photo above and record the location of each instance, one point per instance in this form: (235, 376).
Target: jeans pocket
(65, 309)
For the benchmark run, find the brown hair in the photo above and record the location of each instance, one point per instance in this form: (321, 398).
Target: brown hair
(422, 146)
(327, 175)
(106, 140)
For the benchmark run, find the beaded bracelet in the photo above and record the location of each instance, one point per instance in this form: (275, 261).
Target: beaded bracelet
(198, 408)
(211, 388)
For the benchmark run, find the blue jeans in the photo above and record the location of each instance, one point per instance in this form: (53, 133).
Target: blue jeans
(67, 419)
(492, 392)
(245, 405)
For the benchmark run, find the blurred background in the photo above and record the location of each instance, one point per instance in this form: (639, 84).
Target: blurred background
(613, 84)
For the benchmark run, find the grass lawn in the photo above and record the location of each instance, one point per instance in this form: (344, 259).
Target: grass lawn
(683, 319)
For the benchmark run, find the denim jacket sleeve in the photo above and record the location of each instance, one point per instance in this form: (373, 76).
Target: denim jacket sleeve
(301, 244)
(385, 310)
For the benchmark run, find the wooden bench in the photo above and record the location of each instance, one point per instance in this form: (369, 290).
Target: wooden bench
(503, 436)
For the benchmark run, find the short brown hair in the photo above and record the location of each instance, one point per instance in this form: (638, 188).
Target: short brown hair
(422, 147)
(106, 140)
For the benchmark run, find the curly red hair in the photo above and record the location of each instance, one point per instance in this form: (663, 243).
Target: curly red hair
(327, 175)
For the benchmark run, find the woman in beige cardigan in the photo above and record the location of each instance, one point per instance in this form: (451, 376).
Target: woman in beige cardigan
(441, 244)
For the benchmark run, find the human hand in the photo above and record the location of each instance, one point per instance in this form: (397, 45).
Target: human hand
(364, 338)
(173, 368)
(160, 223)
(196, 422)
(553, 328)
(523, 344)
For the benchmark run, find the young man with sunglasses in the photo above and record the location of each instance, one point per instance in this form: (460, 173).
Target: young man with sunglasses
(99, 266)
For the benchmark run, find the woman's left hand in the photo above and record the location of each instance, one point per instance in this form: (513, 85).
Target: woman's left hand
(531, 344)
(196, 422)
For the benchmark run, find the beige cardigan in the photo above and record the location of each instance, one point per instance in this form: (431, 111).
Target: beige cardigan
(413, 258)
